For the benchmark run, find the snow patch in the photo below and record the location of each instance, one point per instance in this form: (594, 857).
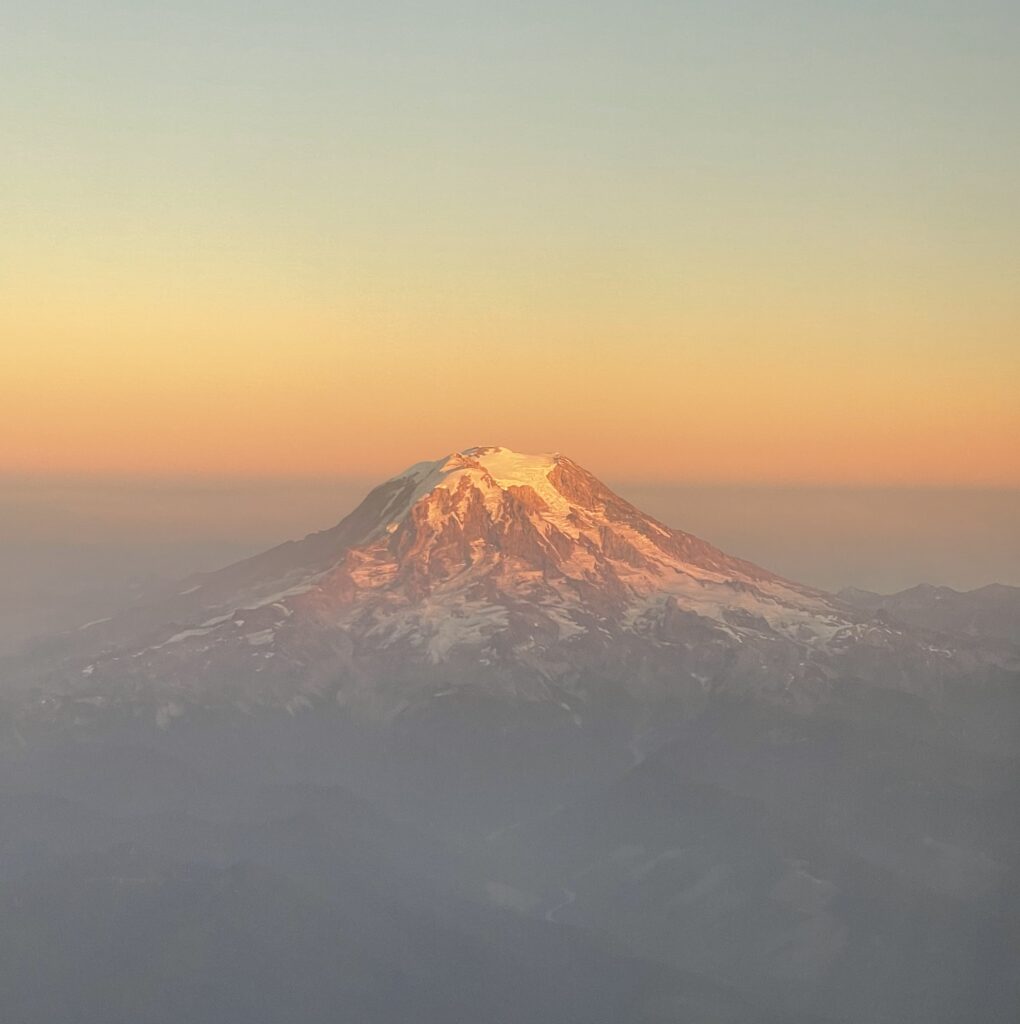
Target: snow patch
(94, 622)
(183, 635)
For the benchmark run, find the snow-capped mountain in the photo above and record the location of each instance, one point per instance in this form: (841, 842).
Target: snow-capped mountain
(496, 573)
(519, 706)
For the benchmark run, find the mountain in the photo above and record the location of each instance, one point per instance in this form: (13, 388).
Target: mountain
(489, 573)
(499, 746)
(986, 613)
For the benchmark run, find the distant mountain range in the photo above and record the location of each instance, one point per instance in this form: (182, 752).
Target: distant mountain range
(987, 613)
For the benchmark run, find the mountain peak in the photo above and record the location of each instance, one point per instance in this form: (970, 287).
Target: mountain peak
(502, 466)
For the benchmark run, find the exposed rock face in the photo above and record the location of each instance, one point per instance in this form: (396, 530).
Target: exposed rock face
(516, 576)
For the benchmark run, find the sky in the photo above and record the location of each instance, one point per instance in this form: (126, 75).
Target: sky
(719, 242)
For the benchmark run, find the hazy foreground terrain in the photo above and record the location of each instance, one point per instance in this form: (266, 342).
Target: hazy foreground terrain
(501, 747)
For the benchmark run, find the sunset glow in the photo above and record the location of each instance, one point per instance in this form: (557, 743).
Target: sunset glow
(272, 256)
(281, 394)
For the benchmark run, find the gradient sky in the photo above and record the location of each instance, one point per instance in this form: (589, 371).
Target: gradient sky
(719, 241)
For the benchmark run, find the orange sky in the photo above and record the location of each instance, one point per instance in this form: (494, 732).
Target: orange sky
(245, 385)
(684, 245)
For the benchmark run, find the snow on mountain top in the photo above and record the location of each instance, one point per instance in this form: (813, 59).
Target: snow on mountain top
(506, 467)
(492, 468)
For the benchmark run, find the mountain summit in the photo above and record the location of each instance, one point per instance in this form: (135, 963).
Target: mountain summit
(486, 572)
(489, 528)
